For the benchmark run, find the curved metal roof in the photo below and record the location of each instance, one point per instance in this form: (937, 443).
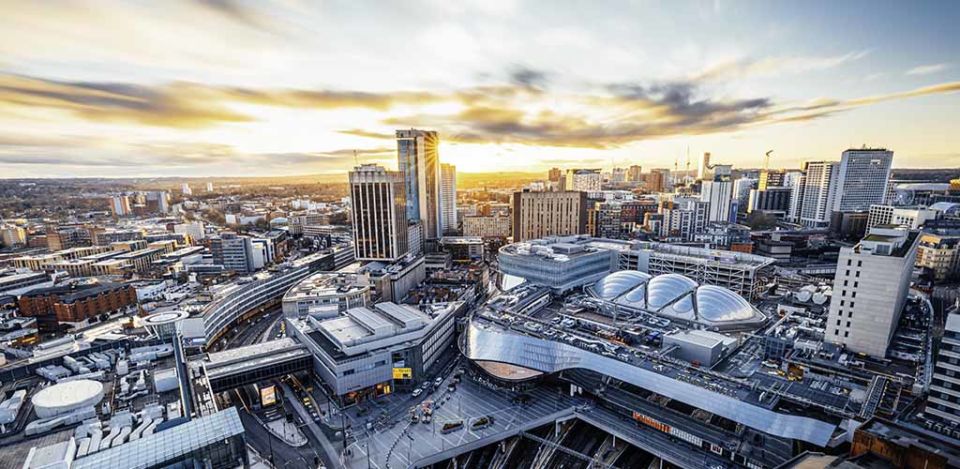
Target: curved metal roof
(717, 304)
(617, 283)
(663, 289)
(550, 357)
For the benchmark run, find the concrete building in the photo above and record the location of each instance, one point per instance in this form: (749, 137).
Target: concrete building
(326, 294)
(794, 180)
(392, 281)
(586, 180)
(773, 200)
(185, 189)
(554, 175)
(234, 252)
(944, 400)
(463, 248)
(703, 167)
(683, 217)
(634, 173)
(380, 230)
(818, 188)
(719, 198)
(909, 217)
(939, 252)
(741, 195)
(376, 350)
(560, 263)
(541, 214)
(12, 235)
(448, 198)
(75, 304)
(418, 160)
(870, 289)
(862, 179)
(120, 205)
(195, 230)
(487, 227)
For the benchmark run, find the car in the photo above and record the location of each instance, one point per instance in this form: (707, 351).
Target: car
(451, 388)
(437, 382)
(417, 392)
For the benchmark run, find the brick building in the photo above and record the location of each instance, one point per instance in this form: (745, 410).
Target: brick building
(75, 303)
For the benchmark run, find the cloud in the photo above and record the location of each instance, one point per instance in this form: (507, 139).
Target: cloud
(928, 69)
(528, 77)
(772, 66)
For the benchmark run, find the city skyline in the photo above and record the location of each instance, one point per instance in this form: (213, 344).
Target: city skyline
(137, 90)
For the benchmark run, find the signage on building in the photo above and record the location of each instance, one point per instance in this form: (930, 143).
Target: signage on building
(403, 373)
(268, 395)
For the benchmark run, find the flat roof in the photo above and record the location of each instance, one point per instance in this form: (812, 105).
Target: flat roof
(158, 448)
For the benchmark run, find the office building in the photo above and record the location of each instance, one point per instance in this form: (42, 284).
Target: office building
(719, 197)
(68, 237)
(586, 180)
(448, 198)
(376, 350)
(194, 230)
(656, 181)
(559, 263)
(909, 217)
(771, 178)
(392, 281)
(157, 201)
(326, 295)
(795, 180)
(112, 235)
(944, 400)
(185, 189)
(75, 304)
(682, 218)
(773, 200)
(209, 187)
(817, 193)
(418, 159)
(634, 173)
(741, 195)
(380, 230)
(494, 226)
(618, 175)
(415, 238)
(939, 253)
(862, 179)
(462, 248)
(541, 214)
(234, 252)
(870, 289)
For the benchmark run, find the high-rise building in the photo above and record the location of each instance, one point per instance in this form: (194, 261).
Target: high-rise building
(817, 192)
(494, 226)
(120, 205)
(185, 189)
(209, 187)
(418, 159)
(944, 400)
(554, 175)
(12, 235)
(157, 201)
(682, 218)
(618, 175)
(195, 230)
(586, 180)
(862, 179)
(656, 180)
(234, 252)
(939, 253)
(741, 195)
(775, 200)
(448, 198)
(703, 167)
(378, 202)
(794, 180)
(540, 214)
(634, 173)
(870, 289)
(770, 178)
(719, 196)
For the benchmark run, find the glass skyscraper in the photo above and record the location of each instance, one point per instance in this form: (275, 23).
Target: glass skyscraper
(419, 162)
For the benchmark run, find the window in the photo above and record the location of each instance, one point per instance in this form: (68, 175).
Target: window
(848, 324)
(858, 274)
(856, 284)
(848, 272)
(836, 332)
(843, 293)
(838, 323)
(846, 334)
(859, 263)
(841, 304)
(845, 282)
(853, 294)
(348, 372)
(849, 261)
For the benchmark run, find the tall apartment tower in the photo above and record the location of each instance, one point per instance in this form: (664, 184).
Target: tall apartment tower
(818, 190)
(944, 400)
(120, 205)
(418, 159)
(862, 179)
(540, 214)
(554, 175)
(379, 207)
(234, 252)
(448, 198)
(634, 173)
(794, 180)
(719, 197)
(870, 289)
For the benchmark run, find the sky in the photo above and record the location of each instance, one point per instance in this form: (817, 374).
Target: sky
(287, 87)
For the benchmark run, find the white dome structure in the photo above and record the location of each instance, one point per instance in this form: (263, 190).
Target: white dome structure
(65, 397)
(677, 297)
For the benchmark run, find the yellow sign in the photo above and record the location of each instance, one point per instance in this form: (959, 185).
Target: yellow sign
(402, 373)
(268, 395)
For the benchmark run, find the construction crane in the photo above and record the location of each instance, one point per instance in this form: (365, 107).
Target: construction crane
(766, 160)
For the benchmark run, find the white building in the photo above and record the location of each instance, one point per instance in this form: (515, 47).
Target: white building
(870, 289)
(719, 196)
(209, 187)
(862, 179)
(817, 193)
(741, 194)
(910, 217)
(195, 230)
(380, 227)
(586, 180)
(794, 180)
(185, 189)
(944, 400)
(448, 198)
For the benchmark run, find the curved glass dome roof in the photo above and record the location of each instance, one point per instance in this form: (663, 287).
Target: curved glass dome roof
(717, 304)
(617, 283)
(663, 289)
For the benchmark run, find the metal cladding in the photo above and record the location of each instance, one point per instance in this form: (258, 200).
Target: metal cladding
(677, 297)
(547, 356)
